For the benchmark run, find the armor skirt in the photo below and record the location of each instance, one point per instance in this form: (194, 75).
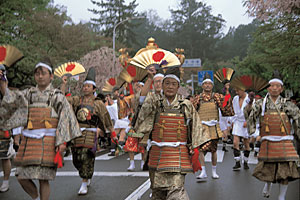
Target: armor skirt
(276, 172)
(36, 172)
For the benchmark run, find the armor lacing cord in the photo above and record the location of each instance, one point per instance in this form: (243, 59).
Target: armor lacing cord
(179, 128)
(162, 127)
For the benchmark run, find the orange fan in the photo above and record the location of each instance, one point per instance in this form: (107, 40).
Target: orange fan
(70, 69)
(111, 83)
(225, 74)
(249, 82)
(9, 55)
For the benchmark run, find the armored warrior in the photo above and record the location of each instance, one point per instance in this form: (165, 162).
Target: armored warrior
(48, 122)
(277, 154)
(8, 56)
(175, 132)
(207, 104)
(90, 112)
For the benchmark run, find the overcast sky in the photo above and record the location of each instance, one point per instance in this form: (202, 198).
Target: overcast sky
(231, 10)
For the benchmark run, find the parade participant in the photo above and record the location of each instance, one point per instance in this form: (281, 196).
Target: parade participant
(254, 138)
(175, 131)
(207, 104)
(89, 112)
(241, 103)
(132, 143)
(49, 123)
(224, 76)
(8, 56)
(277, 154)
(239, 130)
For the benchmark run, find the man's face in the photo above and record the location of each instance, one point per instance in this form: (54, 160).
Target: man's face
(239, 92)
(137, 87)
(42, 76)
(88, 89)
(275, 89)
(170, 87)
(207, 86)
(157, 82)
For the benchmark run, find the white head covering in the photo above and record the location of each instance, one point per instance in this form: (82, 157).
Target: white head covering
(158, 75)
(172, 76)
(40, 64)
(207, 80)
(276, 80)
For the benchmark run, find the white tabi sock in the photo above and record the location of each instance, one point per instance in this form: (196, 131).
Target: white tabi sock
(203, 173)
(84, 184)
(131, 166)
(5, 183)
(214, 172)
(282, 191)
(267, 189)
(142, 164)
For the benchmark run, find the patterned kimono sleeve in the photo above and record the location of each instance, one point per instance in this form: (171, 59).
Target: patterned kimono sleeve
(254, 114)
(197, 133)
(225, 104)
(67, 128)
(74, 101)
(103, 114)
(145, 119)
(293, 113)
(196, 101)
(14, 109)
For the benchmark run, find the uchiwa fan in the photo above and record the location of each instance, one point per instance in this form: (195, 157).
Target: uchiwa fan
(9, 55)
(249, 83)
(224, 75)
(69, 69)
(111, 83)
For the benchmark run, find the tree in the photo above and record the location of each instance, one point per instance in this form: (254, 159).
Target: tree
(113, 12)
(267, 9)
(196, 29)
(276, 46)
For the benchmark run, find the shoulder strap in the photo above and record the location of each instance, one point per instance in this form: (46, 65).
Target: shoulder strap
(281, 119)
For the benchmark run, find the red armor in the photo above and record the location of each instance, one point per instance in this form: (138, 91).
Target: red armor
(274, 151)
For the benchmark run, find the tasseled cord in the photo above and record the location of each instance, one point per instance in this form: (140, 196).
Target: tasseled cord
(58, 160)
(195, 160)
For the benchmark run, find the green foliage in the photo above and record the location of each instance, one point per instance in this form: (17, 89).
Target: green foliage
(110, 14)
(276, 46)
(40, 30)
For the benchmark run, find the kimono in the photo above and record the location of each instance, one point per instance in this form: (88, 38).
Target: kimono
(238, 119)
(277, 153)
(175, 130)
(48, 121)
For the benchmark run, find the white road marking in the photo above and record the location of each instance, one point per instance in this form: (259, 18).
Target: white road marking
(102, 174)
(102, 157)
(138, 193)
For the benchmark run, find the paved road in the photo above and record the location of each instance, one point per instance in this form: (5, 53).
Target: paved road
(111, 181)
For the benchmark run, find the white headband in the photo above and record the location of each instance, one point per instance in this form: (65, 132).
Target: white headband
(89, 82)
(158, 75)
(172, 76)
(276, 80)
(40, 64)
(207, 80)
(141, 83)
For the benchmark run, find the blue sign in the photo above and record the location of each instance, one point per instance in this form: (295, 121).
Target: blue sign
(192, 62)
(201, 75)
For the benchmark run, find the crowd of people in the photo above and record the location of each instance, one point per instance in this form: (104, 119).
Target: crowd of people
(172, 132)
